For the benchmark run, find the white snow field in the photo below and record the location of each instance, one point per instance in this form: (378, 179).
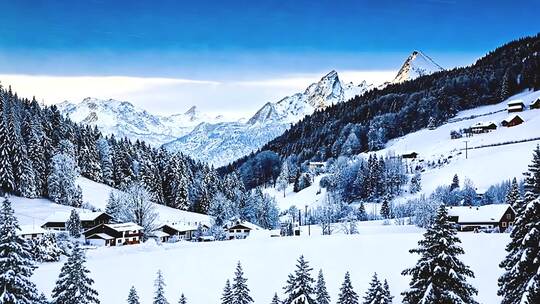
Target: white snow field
(199, 270)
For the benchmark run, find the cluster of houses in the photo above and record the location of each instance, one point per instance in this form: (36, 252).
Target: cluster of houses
(100, 230)
(513, 107)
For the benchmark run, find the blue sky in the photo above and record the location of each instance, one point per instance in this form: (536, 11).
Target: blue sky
(243, 40)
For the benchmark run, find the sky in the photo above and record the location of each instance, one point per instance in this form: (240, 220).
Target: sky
(233, 56)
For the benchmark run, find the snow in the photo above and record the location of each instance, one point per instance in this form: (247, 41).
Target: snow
(481, 214)
(417, 64)
(124, 226)
(30, 229)
(311, 196)
(199, 270)
(61, 216)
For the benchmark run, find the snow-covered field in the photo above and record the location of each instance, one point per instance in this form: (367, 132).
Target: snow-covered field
(199, 270)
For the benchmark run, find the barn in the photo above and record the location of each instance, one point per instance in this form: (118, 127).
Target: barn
(497, 217)
(516, 106)
(512, 121)
(483, 127)
(535, 104)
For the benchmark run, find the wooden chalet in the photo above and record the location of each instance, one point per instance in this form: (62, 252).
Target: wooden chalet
(114, 234)
(316, 165)
(57, 221)
(512, 121)
(483, 127)
(498, 217)
(31, 232)
(409, 155)
(535, 104)
(182, 231)
(241, 229)
(515, 106)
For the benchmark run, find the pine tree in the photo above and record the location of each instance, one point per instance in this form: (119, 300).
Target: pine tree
(74, 286)
(227, 296)
(133, 298)
(46, 248)
(387, 297)
(275, 299)
(300, 284)
(347, 295)
(283, 178)
(455, 183)
(7, 181)
(375, 294)
(513, 197)
(240, 289)
(73, 225)
(321, 294)
(385, 208)
(61, 181)
(362, 214)
(42, 299)
(532, 177)
(159, 294)
(182, 299)
(16, 266)
(114, 206)
(439, 276)
(416, 183)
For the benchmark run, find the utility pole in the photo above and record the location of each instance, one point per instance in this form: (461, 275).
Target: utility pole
(466, 150)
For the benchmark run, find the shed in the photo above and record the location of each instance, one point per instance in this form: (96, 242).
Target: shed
(516, 106)
(483, 127)
(535, 104)
(512, 121)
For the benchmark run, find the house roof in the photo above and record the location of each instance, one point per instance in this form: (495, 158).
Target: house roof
(482, 214)
(182, 227)
(483, 124)
(159, 233)
(535, 101)
(62, 216)
(515, 102)
(103, 236)
(245, 224)
(31, 229)
(512, 117)
(124, 226)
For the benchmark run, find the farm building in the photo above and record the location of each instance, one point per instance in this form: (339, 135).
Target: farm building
(410, 154)
(241, 229)
(535, 104)
(483, 127)
(57, 221)
(470, 218)
(182, 231)
(114, 234)
(516, 106)
(316, 165)
(512, 121)
(31, 232)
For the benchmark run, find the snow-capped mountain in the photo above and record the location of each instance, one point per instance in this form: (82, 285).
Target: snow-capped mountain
(417, 64)
(123, 119)
(222, 143)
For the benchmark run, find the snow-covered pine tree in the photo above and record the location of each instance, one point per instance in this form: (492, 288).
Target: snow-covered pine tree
(138, 208)
(240, 289)
(300, 284)
(27, 179)
(283, 179)
(375, 293)
(439, 276)
(61, 181)
(385, 208)
(520, 283)
(46, 248)
(227, 297)
(347, 295)
(416, 183)
(532, 177)
(105, 158)
(182, 300)
(275, 299)
(74, 286)
(114, 206)
(133, 298)
(73, 225)
(159, 293)
(455, 183)
(387, 296)
(362, 214)
(16, 266)
(7, 181)
(513, 197)
(221, 209)
(321, 294)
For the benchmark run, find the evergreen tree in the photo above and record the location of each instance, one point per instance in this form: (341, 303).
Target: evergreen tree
(520, 283)
(532, 177)
(114, 206)
(283, 178)
(321, 294)
(376, 293)
(240, 289)
(439, 276)
(133, 298)
(416, 183)
(61, 181)
(159, 294)
(507, 85)
(512, 197)
(347, 295)
(362, 214)
(182, 299)
(275, 299)
(42, 299)
(300, 284)
(7, 181)
(74, 286)
(227, 296)
(455, 183)
(46, 248)
(73, 225)
(16, 266)
(385, 208)
(387, 297)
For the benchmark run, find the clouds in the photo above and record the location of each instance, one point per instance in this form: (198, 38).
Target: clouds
(238, 98)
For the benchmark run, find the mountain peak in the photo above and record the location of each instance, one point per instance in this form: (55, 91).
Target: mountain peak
(417, 64)
(192, 111)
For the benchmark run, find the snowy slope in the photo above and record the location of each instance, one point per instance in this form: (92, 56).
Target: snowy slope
(123, 119)
(219, 144)
(417, 64)
(199, 270)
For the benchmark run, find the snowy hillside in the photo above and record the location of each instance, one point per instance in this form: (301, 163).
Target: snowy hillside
(417, 64)
(123, 119)
(219, 144)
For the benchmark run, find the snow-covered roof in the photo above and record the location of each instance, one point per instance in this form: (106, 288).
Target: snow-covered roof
(246, 224)
(159, 233)
(483, 124)
(512, 117)
(481, 214)
(31, 229)
(515, 102)
(182, 227)
(515, 107)
(62, 217)
(103, 236)
(125, 226)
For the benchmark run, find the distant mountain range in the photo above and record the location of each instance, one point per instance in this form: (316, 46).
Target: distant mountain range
(216, 140)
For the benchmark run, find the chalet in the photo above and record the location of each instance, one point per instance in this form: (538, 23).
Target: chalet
(535, 104)
(31, 232)
(114, 234)
(316, 165)
(483, 127)
(470, 218)
(410, 155)
(516, 106)
(182, 231)
(163, 237)
(57, 221)
(241, 229)
(511, 121)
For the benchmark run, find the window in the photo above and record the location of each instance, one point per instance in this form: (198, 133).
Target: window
(509, 216)
(504, 224)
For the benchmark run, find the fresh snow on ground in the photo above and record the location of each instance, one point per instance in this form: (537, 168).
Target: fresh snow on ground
(199, 270)
(311, 196)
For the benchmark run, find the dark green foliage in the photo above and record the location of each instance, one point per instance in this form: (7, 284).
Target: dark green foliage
(300, 284)
(347, 295)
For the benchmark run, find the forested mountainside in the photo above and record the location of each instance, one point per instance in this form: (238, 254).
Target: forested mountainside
(41, 154)
(367, 122)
